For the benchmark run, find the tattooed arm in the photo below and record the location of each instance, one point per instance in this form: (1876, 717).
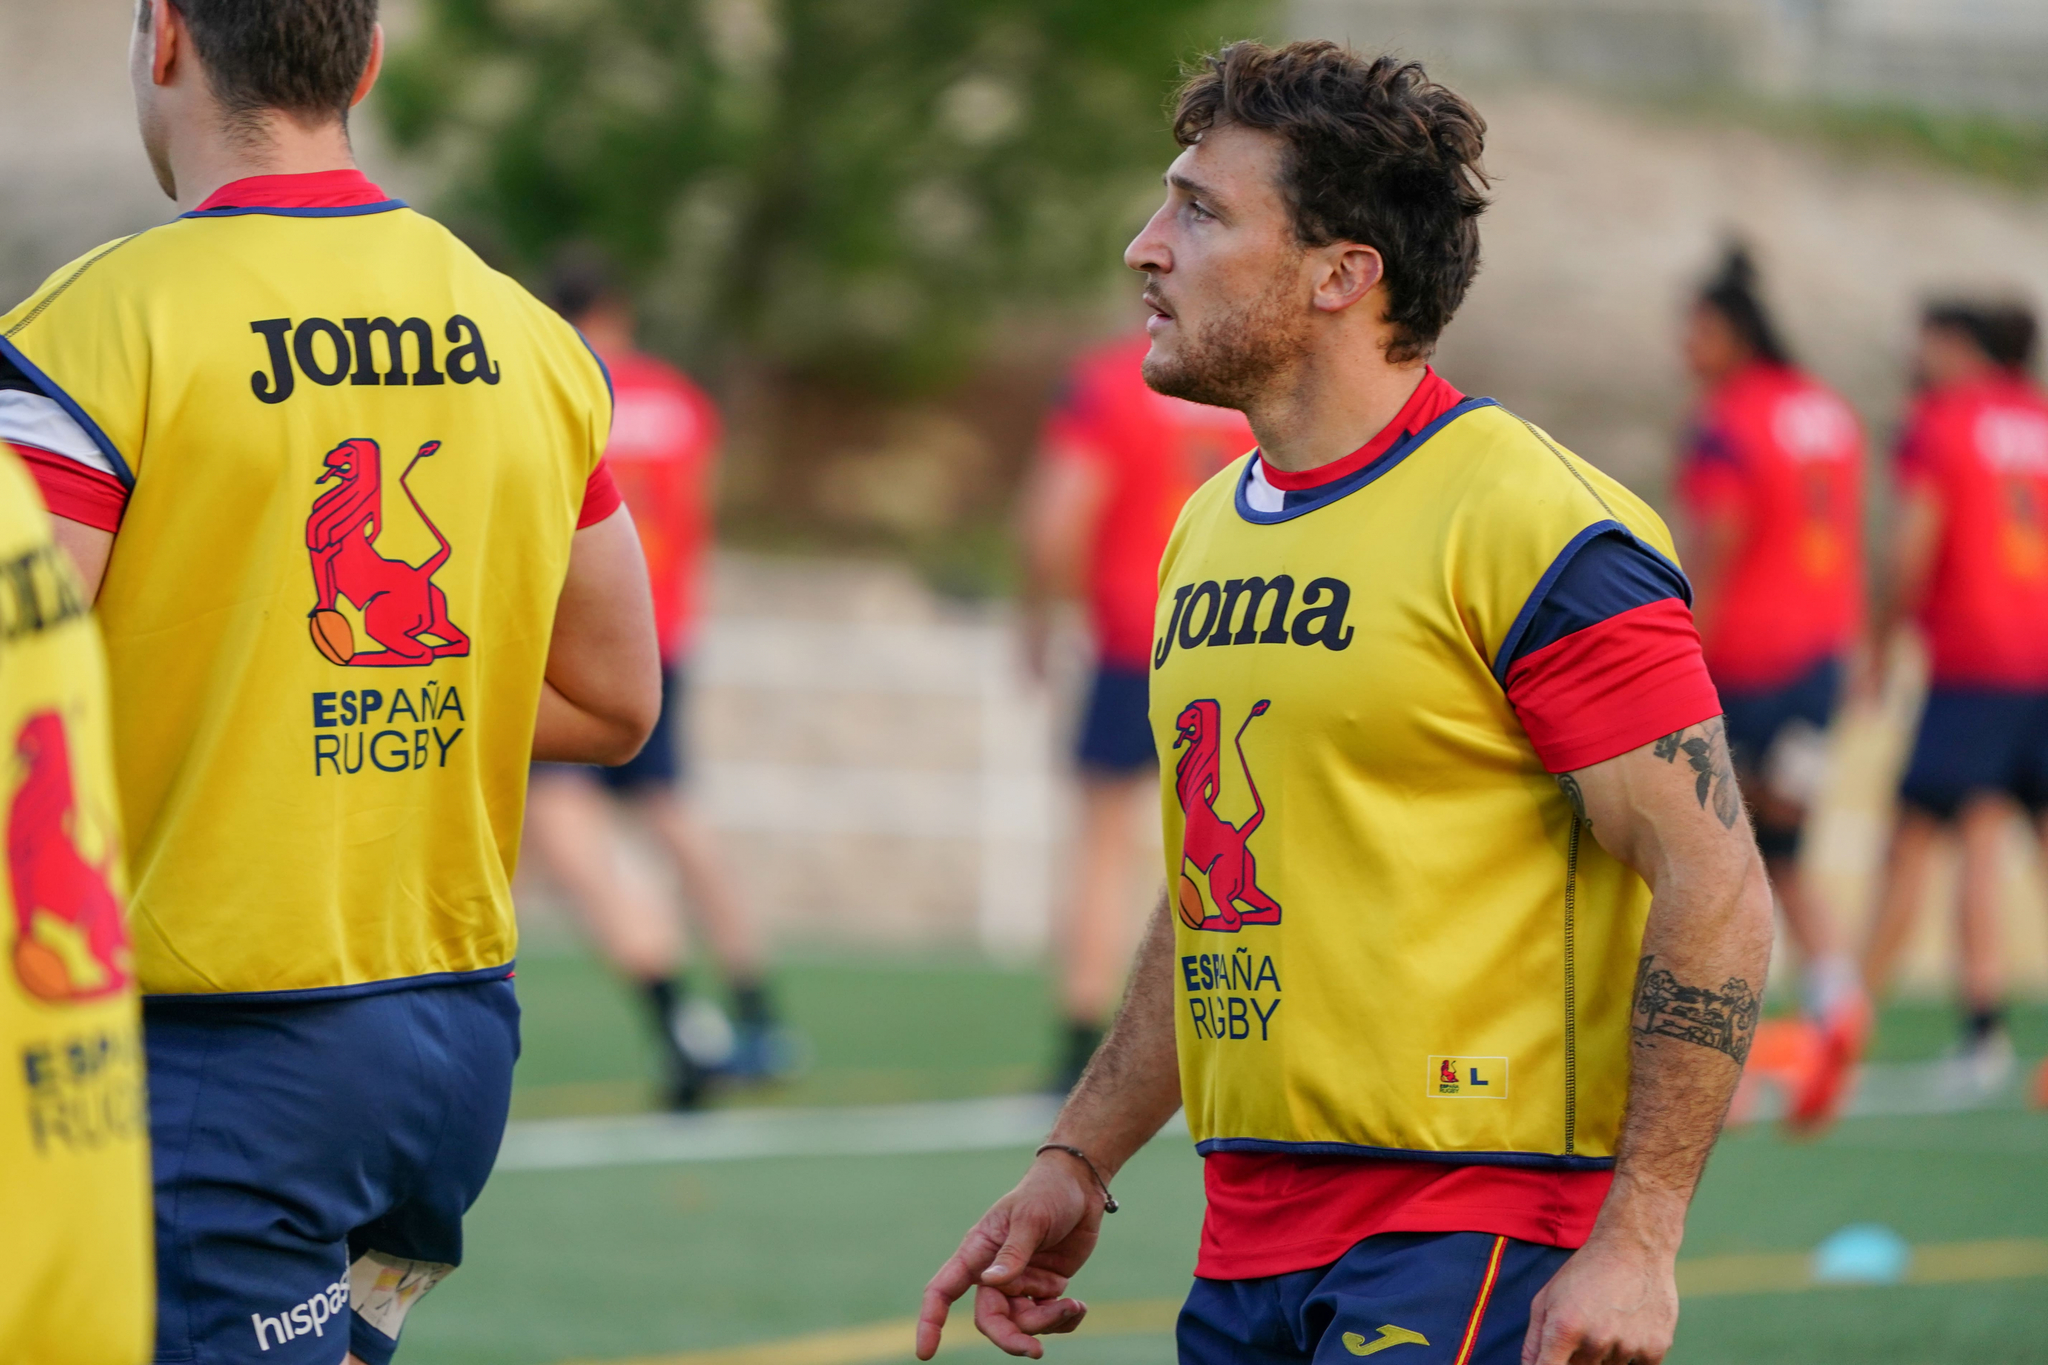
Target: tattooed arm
(1672, 812)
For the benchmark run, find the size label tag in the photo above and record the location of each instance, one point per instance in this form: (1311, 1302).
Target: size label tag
(1463, 1077)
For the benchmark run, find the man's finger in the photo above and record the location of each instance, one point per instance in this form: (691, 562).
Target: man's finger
(1027, 1234)
(1539, 1314)
(955, 1278)
(1047, 1317)
(1560, 1343)
(1036, 1282)
(992, 1317)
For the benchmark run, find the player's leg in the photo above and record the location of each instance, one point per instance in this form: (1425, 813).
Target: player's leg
(1099, 918)
(1916, 835)
(762, 1046)
(571, 825)
(465, 1039)
(1986, 1048)
(1953, 758)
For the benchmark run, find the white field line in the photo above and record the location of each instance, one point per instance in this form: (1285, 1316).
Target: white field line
(993, 1124)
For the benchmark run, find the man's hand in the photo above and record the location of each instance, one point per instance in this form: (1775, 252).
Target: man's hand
(1018, 1260)
(1615, 1302)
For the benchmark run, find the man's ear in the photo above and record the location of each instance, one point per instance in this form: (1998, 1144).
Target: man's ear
(1348, 271)
(370, 68)
(168, 41)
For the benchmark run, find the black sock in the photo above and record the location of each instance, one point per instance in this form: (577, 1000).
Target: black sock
(1983, 1021)
(751, 1006)
(686, 1079)
(1080, 1043)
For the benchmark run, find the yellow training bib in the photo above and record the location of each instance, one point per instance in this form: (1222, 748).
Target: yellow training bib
(75, 1245)
(1393, 937)
(357, 456)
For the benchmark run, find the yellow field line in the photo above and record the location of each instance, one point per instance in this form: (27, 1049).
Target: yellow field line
(1699, 1277)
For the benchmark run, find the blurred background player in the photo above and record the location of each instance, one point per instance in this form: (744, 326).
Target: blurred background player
(338, 490)
(1772, 487)
(74, 1153)
(1970, 569)
(1115, 464)
(663, 454)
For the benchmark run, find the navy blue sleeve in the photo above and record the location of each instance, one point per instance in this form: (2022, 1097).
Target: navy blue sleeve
(1596, 579)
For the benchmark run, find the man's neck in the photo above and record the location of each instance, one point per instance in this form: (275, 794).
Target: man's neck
(1329, 406)
(284, 146)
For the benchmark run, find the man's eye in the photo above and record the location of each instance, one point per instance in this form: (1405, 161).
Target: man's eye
(1198, 211)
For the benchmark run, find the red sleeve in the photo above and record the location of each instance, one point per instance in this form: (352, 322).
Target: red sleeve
(1711, 478)
(74, 492)
(600, 496)
(1919, 457)
(1597, 693)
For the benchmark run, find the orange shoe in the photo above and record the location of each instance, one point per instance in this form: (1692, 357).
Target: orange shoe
(1820, 1094)
(1783, 1051)
(2041, 1087)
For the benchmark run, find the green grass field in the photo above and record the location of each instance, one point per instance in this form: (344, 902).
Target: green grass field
(680, 1260)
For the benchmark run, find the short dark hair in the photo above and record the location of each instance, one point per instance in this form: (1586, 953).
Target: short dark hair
(1732, 292)
(1377, 153)
(2005, 332)
(303, 57)
(580, 280)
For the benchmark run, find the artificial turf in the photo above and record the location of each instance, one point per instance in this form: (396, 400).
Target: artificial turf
(643, 1260)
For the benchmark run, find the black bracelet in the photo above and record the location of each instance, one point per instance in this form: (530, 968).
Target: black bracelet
(1108, 1199)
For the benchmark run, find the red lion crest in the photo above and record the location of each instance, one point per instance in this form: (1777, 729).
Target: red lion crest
(1216, 847)
(400, 602)
(70, 942)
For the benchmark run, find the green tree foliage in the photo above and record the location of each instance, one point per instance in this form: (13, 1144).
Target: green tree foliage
(852, 189)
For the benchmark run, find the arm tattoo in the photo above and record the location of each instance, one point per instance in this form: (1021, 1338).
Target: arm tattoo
(1724, 1019)
(1573, 793)
(1706, 752)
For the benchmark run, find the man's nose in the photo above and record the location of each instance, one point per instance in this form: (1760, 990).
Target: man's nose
(1147, 251)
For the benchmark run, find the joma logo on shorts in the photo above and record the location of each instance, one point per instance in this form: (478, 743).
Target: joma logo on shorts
(1208, 614)
(328, 354)
(312, 1316)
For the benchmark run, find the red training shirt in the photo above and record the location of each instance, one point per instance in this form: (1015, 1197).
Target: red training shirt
(1782, 456)
(663, 453)
(1981, 449)
(1152, 452)
(73, 476)
(1607, 662)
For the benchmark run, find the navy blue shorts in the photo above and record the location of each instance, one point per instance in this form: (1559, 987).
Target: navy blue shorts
(660, 762)
(1977, 740)
(1756, 719)
(1438, 1290)
(1116, 727)
(313, 1164)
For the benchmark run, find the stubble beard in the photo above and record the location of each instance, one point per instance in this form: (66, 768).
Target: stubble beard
(1235, 356)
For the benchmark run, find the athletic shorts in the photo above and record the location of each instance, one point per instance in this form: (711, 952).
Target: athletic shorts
(1756, 719)
(1464, 1296)
(313, 1164)
(660, 762)
(1975, 740)
(1116, 727)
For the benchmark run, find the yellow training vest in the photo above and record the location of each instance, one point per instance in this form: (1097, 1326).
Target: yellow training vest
(1393, 938)
(75, 1244)
(357, 457)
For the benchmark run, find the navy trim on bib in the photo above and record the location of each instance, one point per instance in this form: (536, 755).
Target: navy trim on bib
(1300, 502)
(344, 211)
(51, 391)
(1510, 646)
(1541, 1161)
(317, 993)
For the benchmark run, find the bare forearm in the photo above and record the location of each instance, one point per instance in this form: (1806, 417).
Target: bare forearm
(1133, 1086)
(1697, 994)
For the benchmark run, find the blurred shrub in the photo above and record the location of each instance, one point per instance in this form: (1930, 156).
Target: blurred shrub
(856, 190)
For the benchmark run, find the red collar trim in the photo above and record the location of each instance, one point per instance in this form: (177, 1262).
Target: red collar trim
(1432, 398)
(343, 189)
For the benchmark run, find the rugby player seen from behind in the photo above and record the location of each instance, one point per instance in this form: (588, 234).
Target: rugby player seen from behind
(338, 487)
(1465, 926)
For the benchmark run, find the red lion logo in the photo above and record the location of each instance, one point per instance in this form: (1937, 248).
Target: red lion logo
(1448, 1072)
(399, 602)
(1214, 845)
(70, 942)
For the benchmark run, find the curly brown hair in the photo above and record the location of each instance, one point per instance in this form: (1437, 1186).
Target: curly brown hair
(1377, 153)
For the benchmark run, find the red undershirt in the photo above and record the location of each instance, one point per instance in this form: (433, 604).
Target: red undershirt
(98, 499)
(1273, 1213)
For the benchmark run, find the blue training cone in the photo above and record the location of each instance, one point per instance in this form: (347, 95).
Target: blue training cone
(1862, 1253)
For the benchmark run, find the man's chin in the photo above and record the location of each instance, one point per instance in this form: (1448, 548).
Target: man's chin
(1165, 374)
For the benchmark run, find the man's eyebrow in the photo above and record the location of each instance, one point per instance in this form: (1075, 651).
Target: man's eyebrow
(1189, 186)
